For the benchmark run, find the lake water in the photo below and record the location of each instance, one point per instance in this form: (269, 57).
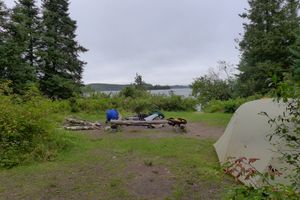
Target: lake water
(185, 92)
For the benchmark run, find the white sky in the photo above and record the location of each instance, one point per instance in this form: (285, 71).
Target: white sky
(166, 41)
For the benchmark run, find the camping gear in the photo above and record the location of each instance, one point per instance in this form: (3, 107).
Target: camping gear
(151, 117)
(112, 114)
(246, 137)
(159, 114)
(179, 122)
(156, 115)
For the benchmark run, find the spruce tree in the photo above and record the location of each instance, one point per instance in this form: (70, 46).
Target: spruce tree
(269, 33)
(26, 13)
(3, 19)
(296, 57)
(22, 45)
(62, 69)
(3, 35)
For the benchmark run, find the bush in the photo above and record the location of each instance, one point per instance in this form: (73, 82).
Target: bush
(208, 88)
(144, 103)
(140, 105)
(133, 91)
(228, 106)
(26, 132)
(276, 192)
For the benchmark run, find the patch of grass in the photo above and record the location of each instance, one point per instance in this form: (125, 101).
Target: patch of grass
(96, 165)
(212, 119)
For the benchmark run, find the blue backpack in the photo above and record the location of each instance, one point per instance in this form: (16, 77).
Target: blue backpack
(112, 114)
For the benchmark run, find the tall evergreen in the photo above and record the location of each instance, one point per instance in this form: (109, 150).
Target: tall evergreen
(269, 33)
(26, 14)
(296, 57)
(3, 34)
(3, 19)
(62, 69)
(22, 44)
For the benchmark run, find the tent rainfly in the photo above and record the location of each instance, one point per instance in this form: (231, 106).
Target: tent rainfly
(247, 136)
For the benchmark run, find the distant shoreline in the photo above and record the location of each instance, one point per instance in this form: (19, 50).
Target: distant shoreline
(184, 92)
(104, 87)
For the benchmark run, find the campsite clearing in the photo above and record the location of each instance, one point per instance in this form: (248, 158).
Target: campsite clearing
(133, 164)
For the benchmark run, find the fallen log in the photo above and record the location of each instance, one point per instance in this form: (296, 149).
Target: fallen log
(138, 123)
(76, 124)
(79, 128)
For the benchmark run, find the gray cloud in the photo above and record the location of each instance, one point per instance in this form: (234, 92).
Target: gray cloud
(167, 41)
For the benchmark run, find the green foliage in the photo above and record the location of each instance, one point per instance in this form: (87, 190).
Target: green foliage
(142, 104)
(5, 88)
(296, 56)
(40, 50)
(228, 106)
(3, 37)
(208, 88)
(263, 193)
(133, 91)
(216, 85)
(269, 32)
(27, 132)
(288, 123)
(173, 103)
(61, 70)
(287, 129)
(139, 100)
(19, 56)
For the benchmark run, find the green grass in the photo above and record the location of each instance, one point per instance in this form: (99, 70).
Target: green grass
(95, 165)
(191, 161)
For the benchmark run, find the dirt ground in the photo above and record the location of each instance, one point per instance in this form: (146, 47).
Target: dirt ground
(149, 182)
(194, 130)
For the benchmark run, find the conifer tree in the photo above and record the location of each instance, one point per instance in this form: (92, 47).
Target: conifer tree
(22, 45)
(3, 34)
(3, 19)
(296, 57)
(269, 33)
(62, 69)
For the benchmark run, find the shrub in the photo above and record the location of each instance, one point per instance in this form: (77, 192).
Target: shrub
(133, 91)
(208, 88)
(228, 106)
(144, 103)
(26, 132)
(140, 105)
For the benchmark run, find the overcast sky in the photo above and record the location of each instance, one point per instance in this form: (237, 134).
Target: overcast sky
(166, 41)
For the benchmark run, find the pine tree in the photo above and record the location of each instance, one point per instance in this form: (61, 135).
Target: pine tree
(3, 19)
(296, 57)
(3, 34)
(22, 45)
(61, 71)
(26, 13)
(265, 46)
